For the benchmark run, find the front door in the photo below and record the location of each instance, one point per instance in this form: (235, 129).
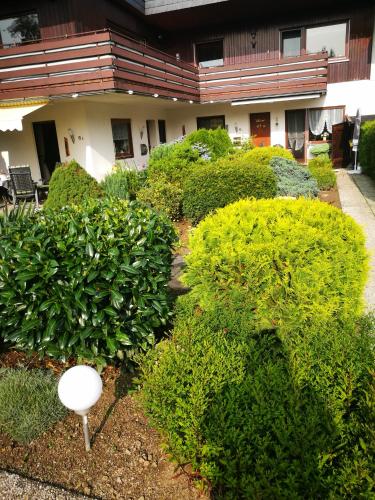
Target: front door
(47, 147)
(260, 128)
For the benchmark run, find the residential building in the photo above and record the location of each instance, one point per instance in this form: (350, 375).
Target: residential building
(107, 80)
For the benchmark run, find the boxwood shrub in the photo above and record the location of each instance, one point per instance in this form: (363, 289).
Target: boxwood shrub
(293, 179)
(296, 263)
(29, 404)
(367, 148)
(88, 281)
(71, 184)
(164, 196)
(263, 155)
(216, 184)
(261, 414)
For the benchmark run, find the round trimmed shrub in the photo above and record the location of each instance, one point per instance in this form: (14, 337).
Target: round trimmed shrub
(263, 155)
(263, 415)
(297, 264)
(88, 281)
(217, 141)
(70, 184)
(216, 184)
(293, 179)
(324, 176)
(29, 404)
(164, 196)
(321, 150)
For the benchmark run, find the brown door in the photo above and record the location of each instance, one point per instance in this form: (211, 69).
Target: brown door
(260, 128)
(338, 145)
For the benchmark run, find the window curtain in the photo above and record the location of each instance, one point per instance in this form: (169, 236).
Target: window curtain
(320, 118)
(296, 130)
(119, 131)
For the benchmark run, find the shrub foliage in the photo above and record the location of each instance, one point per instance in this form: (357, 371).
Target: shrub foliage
(367, 148)
(70, 184)
(217, 141)
(263, 155)
(324, 176)
(293, 179)
(88, 281)
(163, 195)
(29, 404)
(216, 184)
(123, 183)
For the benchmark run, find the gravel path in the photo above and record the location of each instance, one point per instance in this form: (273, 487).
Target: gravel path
(14, 487)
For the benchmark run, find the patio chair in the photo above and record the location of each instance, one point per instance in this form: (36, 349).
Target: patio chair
(22, 185)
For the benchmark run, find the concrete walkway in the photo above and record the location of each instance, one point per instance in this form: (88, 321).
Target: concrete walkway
(357, 196)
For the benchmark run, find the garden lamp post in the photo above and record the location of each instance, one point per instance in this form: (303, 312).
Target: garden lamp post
(79, 389)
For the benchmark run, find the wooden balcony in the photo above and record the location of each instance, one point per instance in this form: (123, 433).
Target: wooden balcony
(107, 61)
(93, 62)
(291, 76)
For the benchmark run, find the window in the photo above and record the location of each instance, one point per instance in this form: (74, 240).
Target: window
(16, 30)
(211, 122)
(331, 39)
(122, 138)
(291, 43)
(321, 122)
(209, 54)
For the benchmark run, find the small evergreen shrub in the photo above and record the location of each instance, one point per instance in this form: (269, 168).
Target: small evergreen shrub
(123, 183)
(320, 150)
(163, 196)
(70, 184)
(367, 148)
(320, 161)
(217, 141)
(293, 179)
(29, 404)
(263, 155)
(262, 415)
(216, 184)
(296, 263)
(325, 176)
(88, 282)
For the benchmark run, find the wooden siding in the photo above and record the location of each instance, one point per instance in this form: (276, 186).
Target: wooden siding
(238, 49)
(159, 6)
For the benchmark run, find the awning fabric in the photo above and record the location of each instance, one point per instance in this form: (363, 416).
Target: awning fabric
(11, 115)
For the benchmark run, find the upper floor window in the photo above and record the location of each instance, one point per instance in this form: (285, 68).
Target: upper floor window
(330, 38)
(209, 54)
(16, 30)
(122, 138)
(291, 43)
(211, 122)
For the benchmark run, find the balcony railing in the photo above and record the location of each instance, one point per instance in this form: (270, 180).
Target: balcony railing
(281, 77)
(108, 61)
(93, 62)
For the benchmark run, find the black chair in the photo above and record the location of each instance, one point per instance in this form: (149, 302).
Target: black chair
(22, 185)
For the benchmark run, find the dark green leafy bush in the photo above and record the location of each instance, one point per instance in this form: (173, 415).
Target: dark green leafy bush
(164, 196)
(87, 281)
(261, 414)
(263, 155)
(320, 150)
(29, 404)
(297, 263)
(293, 179)
(216, 184)
(70, 184)
(123, 183)
(217, 141)
(367, 148)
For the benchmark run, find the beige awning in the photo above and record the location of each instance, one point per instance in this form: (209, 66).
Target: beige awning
(11, 114)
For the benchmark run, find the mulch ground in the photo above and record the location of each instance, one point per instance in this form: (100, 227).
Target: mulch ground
(126, 460)
(332, 197)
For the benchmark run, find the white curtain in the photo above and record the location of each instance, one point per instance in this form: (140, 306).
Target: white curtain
(120, 131)
(319, 118)
(296, 130)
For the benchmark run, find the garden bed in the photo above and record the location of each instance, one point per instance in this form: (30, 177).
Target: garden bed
(126, 460)
(332, 197)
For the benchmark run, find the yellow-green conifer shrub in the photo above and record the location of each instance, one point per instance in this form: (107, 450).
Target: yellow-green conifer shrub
(297, 264)
(263, 155)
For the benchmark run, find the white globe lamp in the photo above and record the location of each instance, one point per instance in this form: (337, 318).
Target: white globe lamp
(79, 389)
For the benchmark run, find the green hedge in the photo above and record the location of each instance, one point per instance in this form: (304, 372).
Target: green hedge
(217, 141)
(29, 404)
(296, 263)
(70, 184)
(263, 155)
(293, 179)
(325, 177)
(263, 415)
(87, 281)
(164, 196)
(123, 183)
(367, 148)
(216, 184)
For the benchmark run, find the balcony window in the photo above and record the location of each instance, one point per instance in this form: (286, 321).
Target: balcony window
(122, 138)
(291, 43)
(211, 122)
(329, 38)
(16, 30)
(209, 54)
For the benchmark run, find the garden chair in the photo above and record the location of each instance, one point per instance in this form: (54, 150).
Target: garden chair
(22, 185)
